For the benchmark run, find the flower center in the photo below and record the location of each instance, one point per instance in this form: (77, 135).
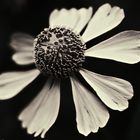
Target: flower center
(58, 52)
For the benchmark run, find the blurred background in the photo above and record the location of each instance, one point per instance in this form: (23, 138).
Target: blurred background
(31, 16)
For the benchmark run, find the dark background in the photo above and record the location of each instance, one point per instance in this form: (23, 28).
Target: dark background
(31, 16)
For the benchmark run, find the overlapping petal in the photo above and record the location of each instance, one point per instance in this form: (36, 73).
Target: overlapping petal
(22, 42)
(84, 16)
(72, 19)
(114, 92)
(90, 112)
(23, 45)
(42, 112)
(23, 58)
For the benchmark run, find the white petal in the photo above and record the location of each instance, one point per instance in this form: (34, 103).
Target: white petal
(105, 19)
(42, 112)
(11, 83)
(84, 17)
(72, 19)
(64, 17)
(23, 58)
(22, 42)
(114, 92)
(90, 112)
(123, 47)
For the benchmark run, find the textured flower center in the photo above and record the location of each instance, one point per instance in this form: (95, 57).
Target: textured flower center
(58, 52)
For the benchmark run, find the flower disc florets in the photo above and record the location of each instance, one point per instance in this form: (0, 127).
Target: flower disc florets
(58, 52)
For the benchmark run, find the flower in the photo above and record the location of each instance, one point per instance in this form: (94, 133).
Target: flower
(58, 52)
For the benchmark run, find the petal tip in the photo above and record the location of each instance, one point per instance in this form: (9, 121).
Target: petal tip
(106, 5)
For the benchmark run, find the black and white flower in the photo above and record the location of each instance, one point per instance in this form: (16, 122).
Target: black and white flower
(59, 52)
